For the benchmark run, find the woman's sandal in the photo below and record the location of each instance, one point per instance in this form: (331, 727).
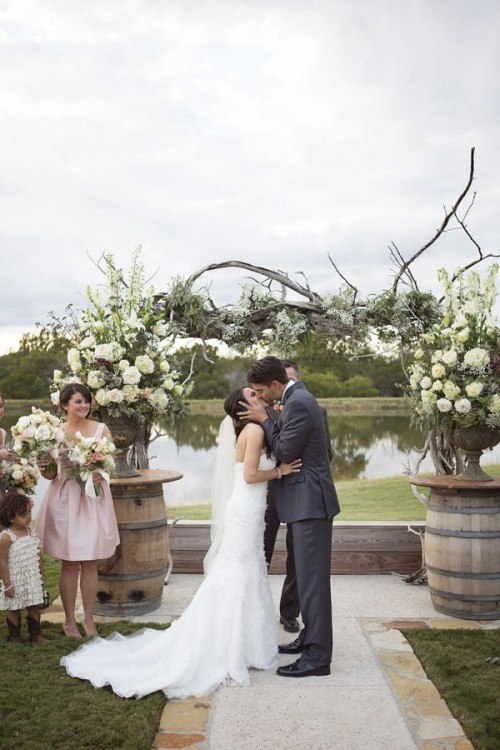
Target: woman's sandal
(70, 635)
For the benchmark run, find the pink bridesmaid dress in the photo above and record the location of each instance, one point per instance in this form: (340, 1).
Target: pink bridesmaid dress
(73, 526)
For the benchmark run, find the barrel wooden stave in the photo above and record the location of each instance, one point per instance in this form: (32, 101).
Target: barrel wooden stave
(131, 581)
(462, 548)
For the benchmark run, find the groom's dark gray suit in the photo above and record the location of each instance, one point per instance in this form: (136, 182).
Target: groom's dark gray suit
(307, 501)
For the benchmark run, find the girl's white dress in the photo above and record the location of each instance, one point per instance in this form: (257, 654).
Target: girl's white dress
(24, 572)
(228, 626)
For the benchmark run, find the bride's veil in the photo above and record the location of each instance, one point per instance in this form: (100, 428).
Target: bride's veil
(222, 485)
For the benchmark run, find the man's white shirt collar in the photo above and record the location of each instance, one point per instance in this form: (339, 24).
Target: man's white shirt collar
(290, 383)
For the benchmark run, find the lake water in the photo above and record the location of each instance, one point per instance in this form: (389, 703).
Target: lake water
(364, 447)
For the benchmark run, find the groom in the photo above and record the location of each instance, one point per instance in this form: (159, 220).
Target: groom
(307, 501)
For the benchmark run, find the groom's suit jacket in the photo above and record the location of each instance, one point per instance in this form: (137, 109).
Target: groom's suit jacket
(301, 434)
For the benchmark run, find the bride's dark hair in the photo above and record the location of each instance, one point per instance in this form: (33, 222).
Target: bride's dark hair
(232, 406)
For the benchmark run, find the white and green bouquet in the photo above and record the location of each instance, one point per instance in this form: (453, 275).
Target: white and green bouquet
(38, 434)
(88, 455)
(121, 350)
(20, 475)
(455, 375)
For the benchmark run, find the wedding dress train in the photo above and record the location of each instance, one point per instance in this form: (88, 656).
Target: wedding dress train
(228, 626)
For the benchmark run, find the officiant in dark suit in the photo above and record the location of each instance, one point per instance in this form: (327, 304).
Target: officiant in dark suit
(307, 501)
(289, 602)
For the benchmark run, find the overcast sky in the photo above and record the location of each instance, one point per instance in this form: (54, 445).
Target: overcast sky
(270, 131)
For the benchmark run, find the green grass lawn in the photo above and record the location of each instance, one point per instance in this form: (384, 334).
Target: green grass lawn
(41, 707)
(455, 662)
(388, 499)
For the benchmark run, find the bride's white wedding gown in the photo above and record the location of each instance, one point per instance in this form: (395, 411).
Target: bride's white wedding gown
(228, 626)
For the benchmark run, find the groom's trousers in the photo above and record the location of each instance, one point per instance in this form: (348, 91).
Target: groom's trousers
(312, 544)
(289, 602)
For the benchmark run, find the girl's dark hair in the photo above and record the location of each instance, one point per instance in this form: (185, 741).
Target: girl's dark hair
(14, 504)
(70, 390)
(232, 406)
(266, 370)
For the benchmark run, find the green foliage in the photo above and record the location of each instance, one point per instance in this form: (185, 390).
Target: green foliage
(25, 373)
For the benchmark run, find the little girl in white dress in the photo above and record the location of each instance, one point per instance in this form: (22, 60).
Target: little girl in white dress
(20, 568)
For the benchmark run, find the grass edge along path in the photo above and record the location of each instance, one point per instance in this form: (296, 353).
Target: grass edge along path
(455, 661)
(41, 707)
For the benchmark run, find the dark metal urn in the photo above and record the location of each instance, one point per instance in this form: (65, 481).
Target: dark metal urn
(473, 441)
(124, 430)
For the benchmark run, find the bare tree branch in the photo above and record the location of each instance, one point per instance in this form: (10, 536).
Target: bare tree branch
(355, 290)
(439, 232)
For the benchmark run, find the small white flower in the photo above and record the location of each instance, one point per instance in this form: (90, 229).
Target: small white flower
(426, 383)
(159, 329)
(164, 366)
(123, 364)
(159, 399)
(177, 389)
(87, 342)
(494, 405)
(444, 404)
(462, 335)
(473, 390)
(73, 356)
(450, 357)
(437, 385)
(463, 406)
(418, 354)
(54, 397)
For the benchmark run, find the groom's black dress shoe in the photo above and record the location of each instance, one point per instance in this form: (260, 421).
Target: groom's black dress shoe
(295, 647)
(290, 624)
(298, 670)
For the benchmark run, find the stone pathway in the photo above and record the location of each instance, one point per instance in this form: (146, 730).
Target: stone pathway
(377, 697)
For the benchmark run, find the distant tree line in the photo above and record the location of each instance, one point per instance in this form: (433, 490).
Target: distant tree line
(329, 370)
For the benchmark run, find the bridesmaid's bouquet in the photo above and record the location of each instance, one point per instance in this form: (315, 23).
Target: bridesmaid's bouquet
(21, 475)
(38, 435)
(90, 454)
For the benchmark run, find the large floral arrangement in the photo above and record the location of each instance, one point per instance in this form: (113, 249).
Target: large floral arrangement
(455, 375)
(21, 475)
(121, 349)
(37, 434)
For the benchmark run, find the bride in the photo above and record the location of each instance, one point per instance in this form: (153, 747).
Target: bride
(230, 623)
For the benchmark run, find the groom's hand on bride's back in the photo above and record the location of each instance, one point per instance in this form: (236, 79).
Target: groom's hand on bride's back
(256, 413)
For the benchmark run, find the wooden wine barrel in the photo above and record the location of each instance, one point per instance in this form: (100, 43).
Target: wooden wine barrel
(131, 581)
(462, 546)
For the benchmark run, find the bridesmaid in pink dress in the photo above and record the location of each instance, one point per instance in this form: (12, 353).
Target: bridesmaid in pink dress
(77, 529)
(5, 454)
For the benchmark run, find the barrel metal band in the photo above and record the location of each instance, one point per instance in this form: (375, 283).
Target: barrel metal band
(464, 534)
(464, 615)
(144, 524)
(134, 576)
(464, 511)
(466, 597)
(459, 574)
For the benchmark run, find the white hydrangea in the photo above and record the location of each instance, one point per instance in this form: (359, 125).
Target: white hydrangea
(463, 406)
(477, 358)
(159, 399)
(130, 393)
(437, 385)
(494, 405)
(164, 366)
(144, 364)
(177, 390)
(168, 384)
(451, 390)
(473, 390)
(131, 376)
(95, 379)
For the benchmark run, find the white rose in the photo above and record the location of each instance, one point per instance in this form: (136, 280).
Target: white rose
(462, 335)
(115, 396)
(477, 358)
(23, 422)
(54, 397)
(437, 385)
(102, 397)
(168, 384)
(17, 475)
(130, 393)
(87, 342)
(450, 357)
(144, 364)
(463, 406)
(443, 404)
(177, 389)
(103, 351)
(123, 364)
(159, 329)
(73, 356)
(95, 379)
(131, 376)
(418, 354)
(474, 389)
(425, 383)
(164, 366)
(437, 370)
